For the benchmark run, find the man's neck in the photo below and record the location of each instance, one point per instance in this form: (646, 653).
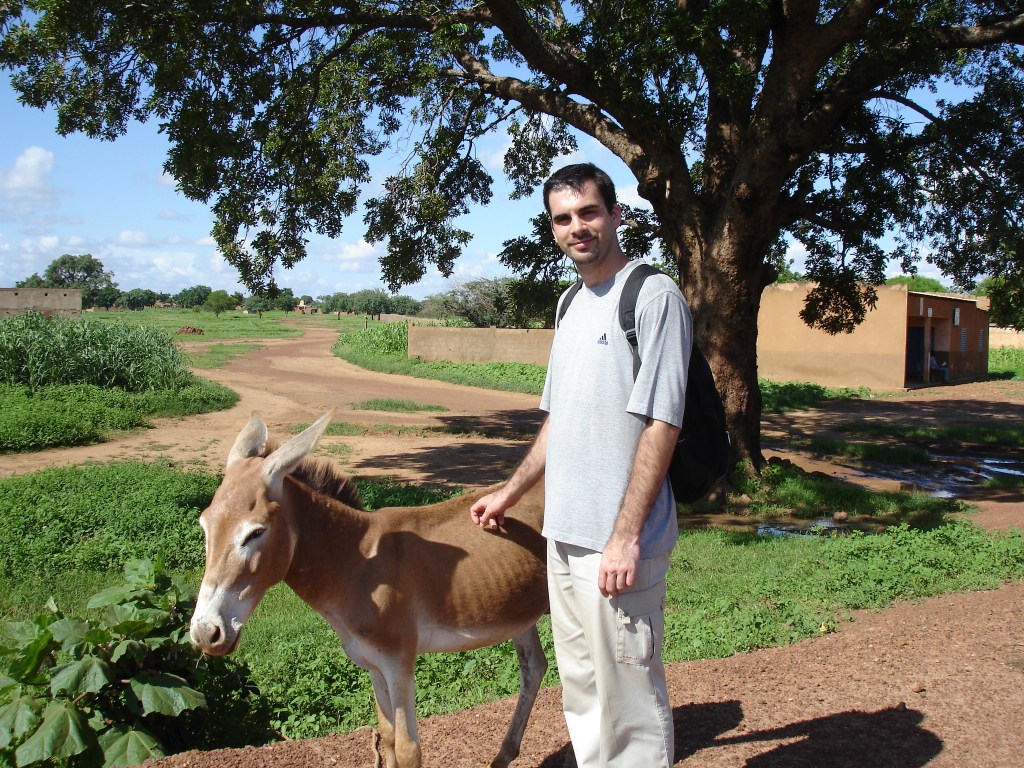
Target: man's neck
(604, 270)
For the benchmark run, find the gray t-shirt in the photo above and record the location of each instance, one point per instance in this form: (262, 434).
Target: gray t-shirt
(597, 411)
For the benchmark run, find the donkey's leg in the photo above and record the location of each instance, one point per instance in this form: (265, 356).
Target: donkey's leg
(401, 685)
(532, 666)
(385, 719)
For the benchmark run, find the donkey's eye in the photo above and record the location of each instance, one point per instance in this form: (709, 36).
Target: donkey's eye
(254, 534)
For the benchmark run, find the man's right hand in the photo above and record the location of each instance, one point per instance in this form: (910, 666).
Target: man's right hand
(489, 511)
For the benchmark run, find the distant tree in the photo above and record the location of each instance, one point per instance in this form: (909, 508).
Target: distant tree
(533, 304)
(433, 306)
(238, 297)
(1006, 295)
(285, 300)
(337, 302)
(918, 283)
(137, 298)
(371, 302)
(106, 297)
(219, 301)
(257, 304)
(788, 275)
(483, 303)
(192, 297)
(404, 305)
(84, 272)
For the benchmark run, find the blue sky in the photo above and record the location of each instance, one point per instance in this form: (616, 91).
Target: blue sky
(112, 200)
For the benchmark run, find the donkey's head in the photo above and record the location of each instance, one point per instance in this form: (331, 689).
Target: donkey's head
(250, 534)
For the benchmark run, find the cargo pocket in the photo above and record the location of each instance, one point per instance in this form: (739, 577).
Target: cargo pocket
(640, 623)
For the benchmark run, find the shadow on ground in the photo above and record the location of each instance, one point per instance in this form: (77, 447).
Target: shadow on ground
(892, 737)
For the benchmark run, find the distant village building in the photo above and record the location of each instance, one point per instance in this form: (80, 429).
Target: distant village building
(302, 308)
(892, 349)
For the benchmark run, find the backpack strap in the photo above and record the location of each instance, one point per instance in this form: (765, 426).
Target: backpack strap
(569, 296)
(627, 307)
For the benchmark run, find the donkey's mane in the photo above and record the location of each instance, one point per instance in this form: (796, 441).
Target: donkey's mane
(322, 477)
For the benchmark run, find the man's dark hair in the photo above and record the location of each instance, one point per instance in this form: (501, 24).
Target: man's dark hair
(574, 177)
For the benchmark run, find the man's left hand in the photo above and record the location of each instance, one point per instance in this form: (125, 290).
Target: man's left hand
(618, 567)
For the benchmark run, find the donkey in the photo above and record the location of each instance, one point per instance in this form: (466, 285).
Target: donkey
(393, 583)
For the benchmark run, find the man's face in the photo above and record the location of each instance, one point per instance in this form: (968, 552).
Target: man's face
(583, 227)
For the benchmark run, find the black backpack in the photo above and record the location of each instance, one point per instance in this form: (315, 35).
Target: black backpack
(701, 457)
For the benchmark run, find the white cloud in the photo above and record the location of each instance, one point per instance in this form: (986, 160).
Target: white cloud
(133, 238)
(26, 186)
(166, 180)
(169, 214)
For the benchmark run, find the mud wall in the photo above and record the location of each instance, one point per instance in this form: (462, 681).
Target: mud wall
(64, 302)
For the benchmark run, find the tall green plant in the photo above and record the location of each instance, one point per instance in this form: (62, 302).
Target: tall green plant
(38, 351)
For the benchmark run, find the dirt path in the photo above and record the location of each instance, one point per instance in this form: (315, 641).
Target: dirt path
(937, 683)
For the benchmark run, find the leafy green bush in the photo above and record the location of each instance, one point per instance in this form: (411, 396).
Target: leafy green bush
(38, 351)
(121, 689)
(1006, 362)
(96, 518)
(380, 339)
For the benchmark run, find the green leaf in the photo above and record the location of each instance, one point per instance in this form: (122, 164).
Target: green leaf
(26, 665)
(140, 573)
(165, 694)
(73, 632)
(63, 733)
(131, 649)
(17, 718)
(128, 746)
(7, 684)
(110, 596)
(88, 675)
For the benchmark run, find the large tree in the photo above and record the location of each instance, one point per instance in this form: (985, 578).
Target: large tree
(82, 271)
(743, 121)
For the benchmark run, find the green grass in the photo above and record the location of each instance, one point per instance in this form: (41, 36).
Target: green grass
(890, 454)
(227, 325)
(397, 406)
(83, 414)
(218, 355)
(784, 491)
(992, 435)
(384, 347)
(780, 397)
(729, 593)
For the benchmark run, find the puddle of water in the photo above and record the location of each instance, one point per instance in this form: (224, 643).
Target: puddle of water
(813, 529)
(947, 477)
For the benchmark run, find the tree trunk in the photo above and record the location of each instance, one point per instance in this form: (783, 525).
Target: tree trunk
(722, 276)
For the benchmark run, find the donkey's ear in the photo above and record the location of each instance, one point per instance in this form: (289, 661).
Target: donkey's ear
(251, 441)
(285, 459)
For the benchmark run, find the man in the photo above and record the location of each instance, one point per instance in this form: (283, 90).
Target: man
(603, 452)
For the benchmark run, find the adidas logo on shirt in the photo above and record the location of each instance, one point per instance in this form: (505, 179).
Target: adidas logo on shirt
(603, 339)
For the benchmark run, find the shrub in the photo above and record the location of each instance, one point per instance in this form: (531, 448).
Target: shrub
(121, 689)
(37, 351)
